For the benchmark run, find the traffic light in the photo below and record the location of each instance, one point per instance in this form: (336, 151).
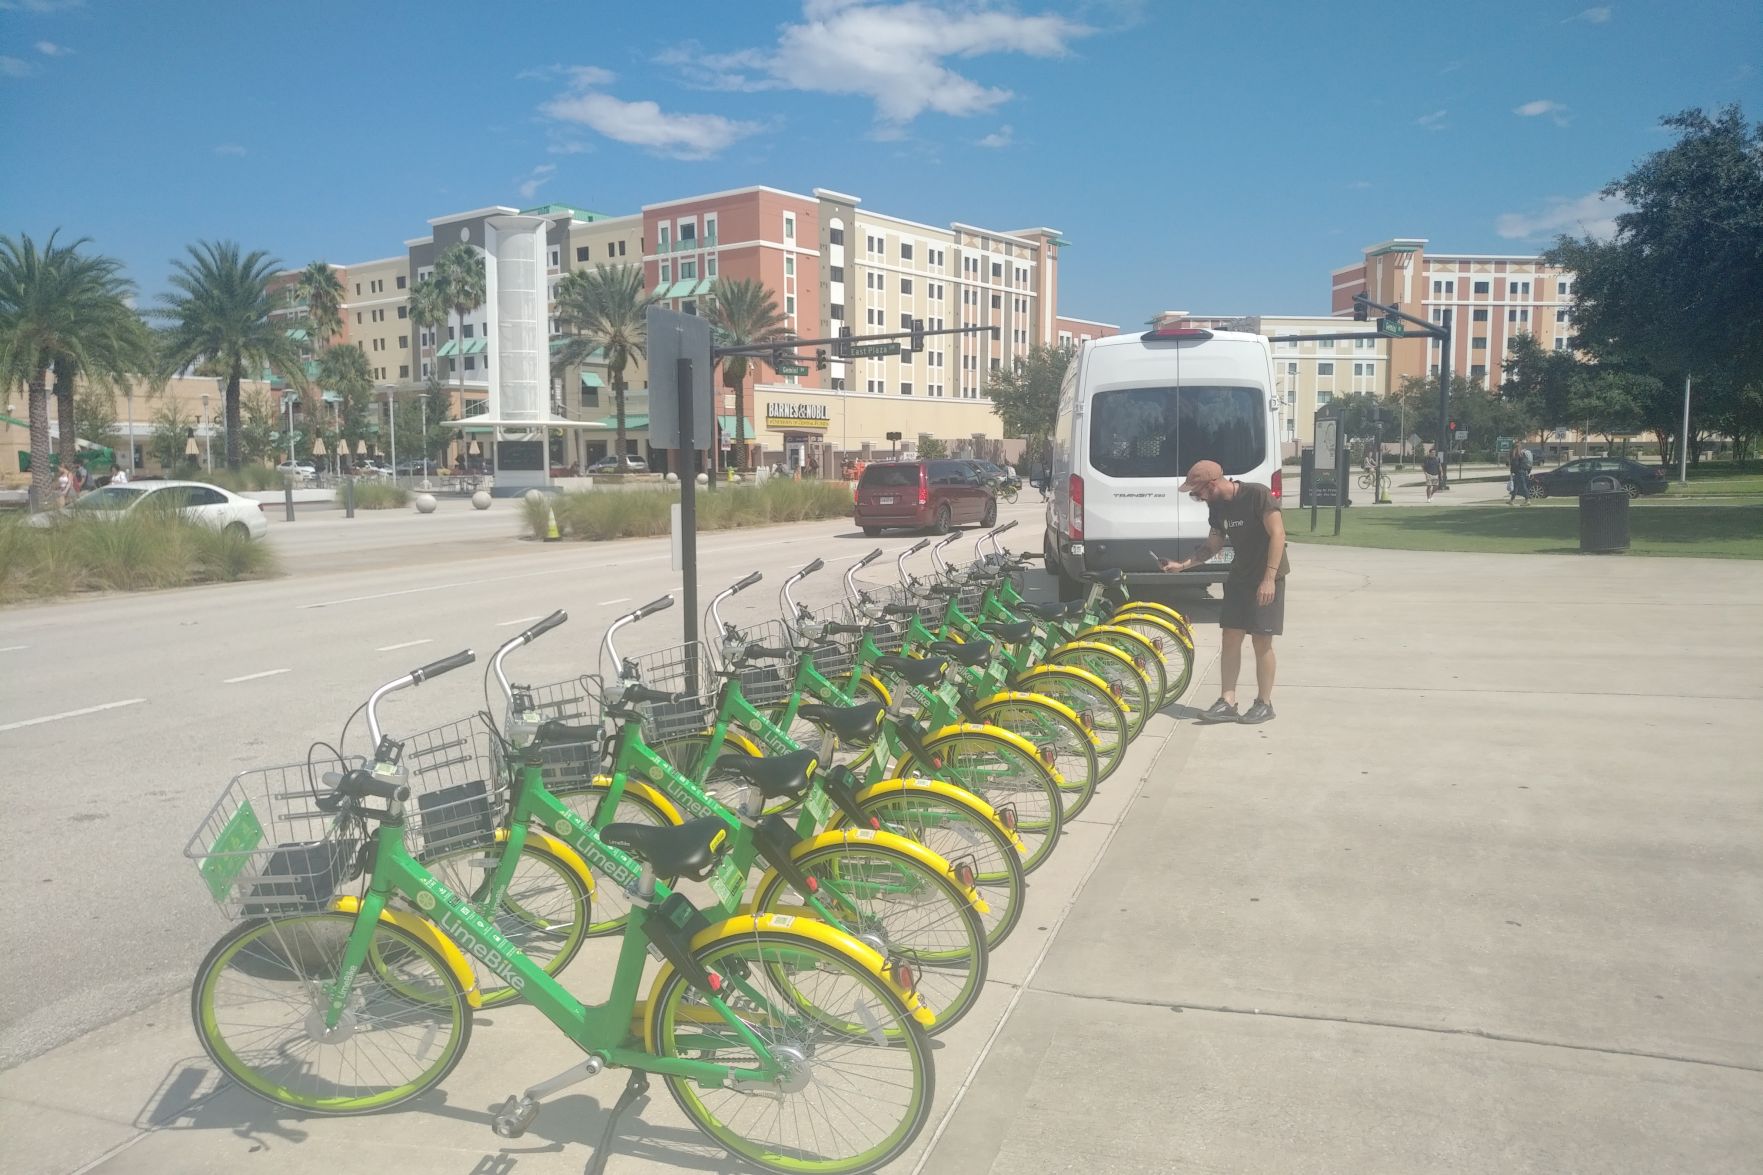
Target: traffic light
(918, 334)
(777, 358)
(1453, 426)
(820, 359)
(1390, 324)
(1361, 309)
(843, 348)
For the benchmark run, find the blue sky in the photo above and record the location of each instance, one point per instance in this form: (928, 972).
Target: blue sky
(1210, 157)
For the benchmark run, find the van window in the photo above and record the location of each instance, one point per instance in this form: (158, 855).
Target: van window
(1161, 432)
(890, 475)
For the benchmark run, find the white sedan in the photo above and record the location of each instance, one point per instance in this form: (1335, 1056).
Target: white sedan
(197, 501)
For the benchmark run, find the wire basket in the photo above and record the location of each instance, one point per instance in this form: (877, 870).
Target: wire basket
(836, 656)
(575, 702)
(458, 788)
(766, 682)
(266, 849)
(683, 669)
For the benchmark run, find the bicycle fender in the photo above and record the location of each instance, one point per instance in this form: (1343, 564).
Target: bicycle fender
(563, 852)
(1027, 677)
(744, 743)
(936, 862)
(604, 782)
(1015, 740)
(1153, 606)
(426, 931)
(1179, 631)
(742, 925)
(881, 690)
(1034, 699)
(1089, 633)
(959, 795)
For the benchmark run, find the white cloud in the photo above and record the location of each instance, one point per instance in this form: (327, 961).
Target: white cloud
(642, 124)
(232, 149)
(1558, 114)
(537, 178)
(999, 138)
(1592, 215)
(1589, 16)
(892, 54)
(1432, 122)
(51, 49)
(16, 67)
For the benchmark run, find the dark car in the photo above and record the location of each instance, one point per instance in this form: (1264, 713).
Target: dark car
(1575, 477)
(937, 494)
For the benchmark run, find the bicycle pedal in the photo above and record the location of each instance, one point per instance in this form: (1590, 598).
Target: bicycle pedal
(515, 1116)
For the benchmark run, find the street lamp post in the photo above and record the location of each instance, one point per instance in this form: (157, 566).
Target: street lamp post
(129, 395)
(288, 400)
(425, 433)
(392, 421)
(207, 436)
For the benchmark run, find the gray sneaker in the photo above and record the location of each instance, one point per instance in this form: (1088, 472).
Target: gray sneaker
(1259, 712)
(1220, 711)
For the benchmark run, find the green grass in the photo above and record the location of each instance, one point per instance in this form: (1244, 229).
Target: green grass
(1720, 479)
(1655, 528)
(598, 515)
(143, 551)
(377, 495)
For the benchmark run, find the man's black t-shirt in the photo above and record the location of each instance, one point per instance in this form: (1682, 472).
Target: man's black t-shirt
(1243, 521)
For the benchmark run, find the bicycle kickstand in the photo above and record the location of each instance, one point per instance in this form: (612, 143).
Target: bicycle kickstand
(635, 1090)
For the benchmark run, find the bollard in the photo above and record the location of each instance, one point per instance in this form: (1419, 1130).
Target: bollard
(349, 498)
(288, 498)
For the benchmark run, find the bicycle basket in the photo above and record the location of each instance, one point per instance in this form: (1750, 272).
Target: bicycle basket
(766, 682)
(457, 788)
(569, 765)
(680, 669)
(266, 849)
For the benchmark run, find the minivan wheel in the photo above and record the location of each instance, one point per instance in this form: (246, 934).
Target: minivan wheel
(945, 521)
(990, 518)
(871, 531)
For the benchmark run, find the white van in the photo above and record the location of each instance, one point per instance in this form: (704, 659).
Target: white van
(1135, 412)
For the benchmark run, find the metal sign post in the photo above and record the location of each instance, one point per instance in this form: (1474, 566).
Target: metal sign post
(688, 521)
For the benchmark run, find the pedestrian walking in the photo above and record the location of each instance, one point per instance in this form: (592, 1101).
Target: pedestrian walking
(1245, 515)
(1430, 466)
(1519, 486)
(120, 477)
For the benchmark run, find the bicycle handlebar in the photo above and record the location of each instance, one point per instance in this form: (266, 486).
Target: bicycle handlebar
(444, 665)
(359, 785)
(868, 559)
(530, 635)
(652, 607)
(649, 609)
(415, 677)
(747, 583)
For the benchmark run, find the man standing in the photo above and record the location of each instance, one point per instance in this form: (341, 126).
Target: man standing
(1247, 516)
(1521, 466)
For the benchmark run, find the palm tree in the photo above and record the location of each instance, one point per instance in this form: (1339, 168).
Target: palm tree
(59, 304)
(322, 292)
(741, 313)
(344, 370)
(459, 278)
(604, 309)
(221, 313)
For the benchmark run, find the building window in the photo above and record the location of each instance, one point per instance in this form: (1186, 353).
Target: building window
(997, 302)
(835, 236)
(402, 281)
(1518, 289)
(997, 271)
(1480, 315)
(465, 330)
(1325, 369)
(666, 240)
(1444, 289)
(688, 233)
(1324, 398)
(358, 318)
(905, 322)
(554, 257)
(905, 251)
(790, 266)
(838, 384)
(836, 312)
(403, 342)
(1560, 343)
(666, 272)
(1563, 289)
(838, 273)
(710, 266)
(1478, 343)
(1481, 287)
(403, 312)
(789, 303)
(1478, 372)
(581, 252)
(905, 387)
(789, 227)
(688, 269)
(905, 284)
(471, 363)
(688, 307)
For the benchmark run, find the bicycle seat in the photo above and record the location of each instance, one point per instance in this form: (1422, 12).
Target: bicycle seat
(972, 654)
(1051, 611)
(672, 850)
(776, 776)
(555, 731)
(854, 726)
(1106, 575)
(914, 670)
(1011, 633)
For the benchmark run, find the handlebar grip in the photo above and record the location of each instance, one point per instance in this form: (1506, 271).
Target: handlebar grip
(642, 693)
(868, 559)
(1030, 556)
(813, 567)
(1007, 526)
(837, 629)
(955, 536)
(652, 607)
(749, 581)
(765, 651)
(920, 545)
(358, 785)
(444, 665)
(544, 626)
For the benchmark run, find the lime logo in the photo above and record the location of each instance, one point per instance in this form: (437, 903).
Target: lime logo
(561, 825)
(425, 900)
(655, 774)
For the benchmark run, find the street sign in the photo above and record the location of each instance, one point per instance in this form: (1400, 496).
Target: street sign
(874, 350)
(1325, 442)
(1462, 434)
(790, 369)
(1392, 326)
(672, 336)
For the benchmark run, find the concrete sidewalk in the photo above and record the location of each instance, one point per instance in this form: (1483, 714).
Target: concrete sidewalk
(1487, 896)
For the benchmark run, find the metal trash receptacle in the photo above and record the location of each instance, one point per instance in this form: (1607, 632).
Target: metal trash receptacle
(1603, 516)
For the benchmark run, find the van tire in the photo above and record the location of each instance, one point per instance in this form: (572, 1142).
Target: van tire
(1069, 588)
(990, 518)
(871, 531)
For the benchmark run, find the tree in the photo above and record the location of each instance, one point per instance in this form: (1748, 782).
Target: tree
(1609, 401)
(66, 309)
(461, 284)
(322, 292)
(259, 427)
(604, 309)
(170, 439)
(1678, 289)
(1539, 382)
(1484, 415)
(930, 448)
(94, 415)
(1026, 394)
(343, 371)
(741, 313)
(220, 313)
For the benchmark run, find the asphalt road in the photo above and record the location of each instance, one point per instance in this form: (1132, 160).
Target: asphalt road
(122, 718)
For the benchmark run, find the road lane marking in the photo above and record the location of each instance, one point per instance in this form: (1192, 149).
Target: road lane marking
(13, 648)
(71, 714)
(620, 600)
(522, 620)
(255, 676)
(427, 640)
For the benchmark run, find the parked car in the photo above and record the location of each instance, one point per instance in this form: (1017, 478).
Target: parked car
(1575, 477)
(197, 501)
(300, 469)
(629, 463)
(938, 494)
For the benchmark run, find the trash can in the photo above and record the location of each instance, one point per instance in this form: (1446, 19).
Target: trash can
(1603, 516)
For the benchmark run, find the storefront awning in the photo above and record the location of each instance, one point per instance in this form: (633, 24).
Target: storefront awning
(683, 288)
(590, 380)
(660, 290)
(704, 287)
(450, 347)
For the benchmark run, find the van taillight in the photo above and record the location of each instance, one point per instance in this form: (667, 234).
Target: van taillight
(1077, 508)
(1278, 484)
(924, 485)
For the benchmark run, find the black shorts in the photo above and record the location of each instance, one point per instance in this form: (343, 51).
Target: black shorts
(1241, 611)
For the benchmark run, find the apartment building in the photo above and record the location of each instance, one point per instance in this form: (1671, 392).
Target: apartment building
(1489, 300)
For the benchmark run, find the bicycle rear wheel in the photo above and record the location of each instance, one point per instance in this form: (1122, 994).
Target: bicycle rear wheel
(1063, 742)
(1129, 686)
(1095, 706)
(635, 806)
(857, 1087)
(259, 1005)
(1178, 654)
(999, 771)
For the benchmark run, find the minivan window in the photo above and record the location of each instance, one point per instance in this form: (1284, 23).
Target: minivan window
(1161, 432)
(947, 473)
(890, 475)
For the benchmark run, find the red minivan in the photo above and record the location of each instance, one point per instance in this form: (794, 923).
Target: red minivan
(939, 495)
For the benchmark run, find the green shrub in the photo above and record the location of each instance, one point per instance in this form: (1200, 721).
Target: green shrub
(376, 495)
(144, 550)
(597, 515)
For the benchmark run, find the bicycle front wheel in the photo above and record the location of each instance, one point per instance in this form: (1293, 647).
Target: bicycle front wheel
(545, 910)
(856, 1087)
(1089, 697)
(999, 771)
(259, 1004)
(1061, 739)
(1166, 639)
(1129, 686)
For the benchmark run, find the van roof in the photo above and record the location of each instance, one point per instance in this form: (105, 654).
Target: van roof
(1221, 336)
